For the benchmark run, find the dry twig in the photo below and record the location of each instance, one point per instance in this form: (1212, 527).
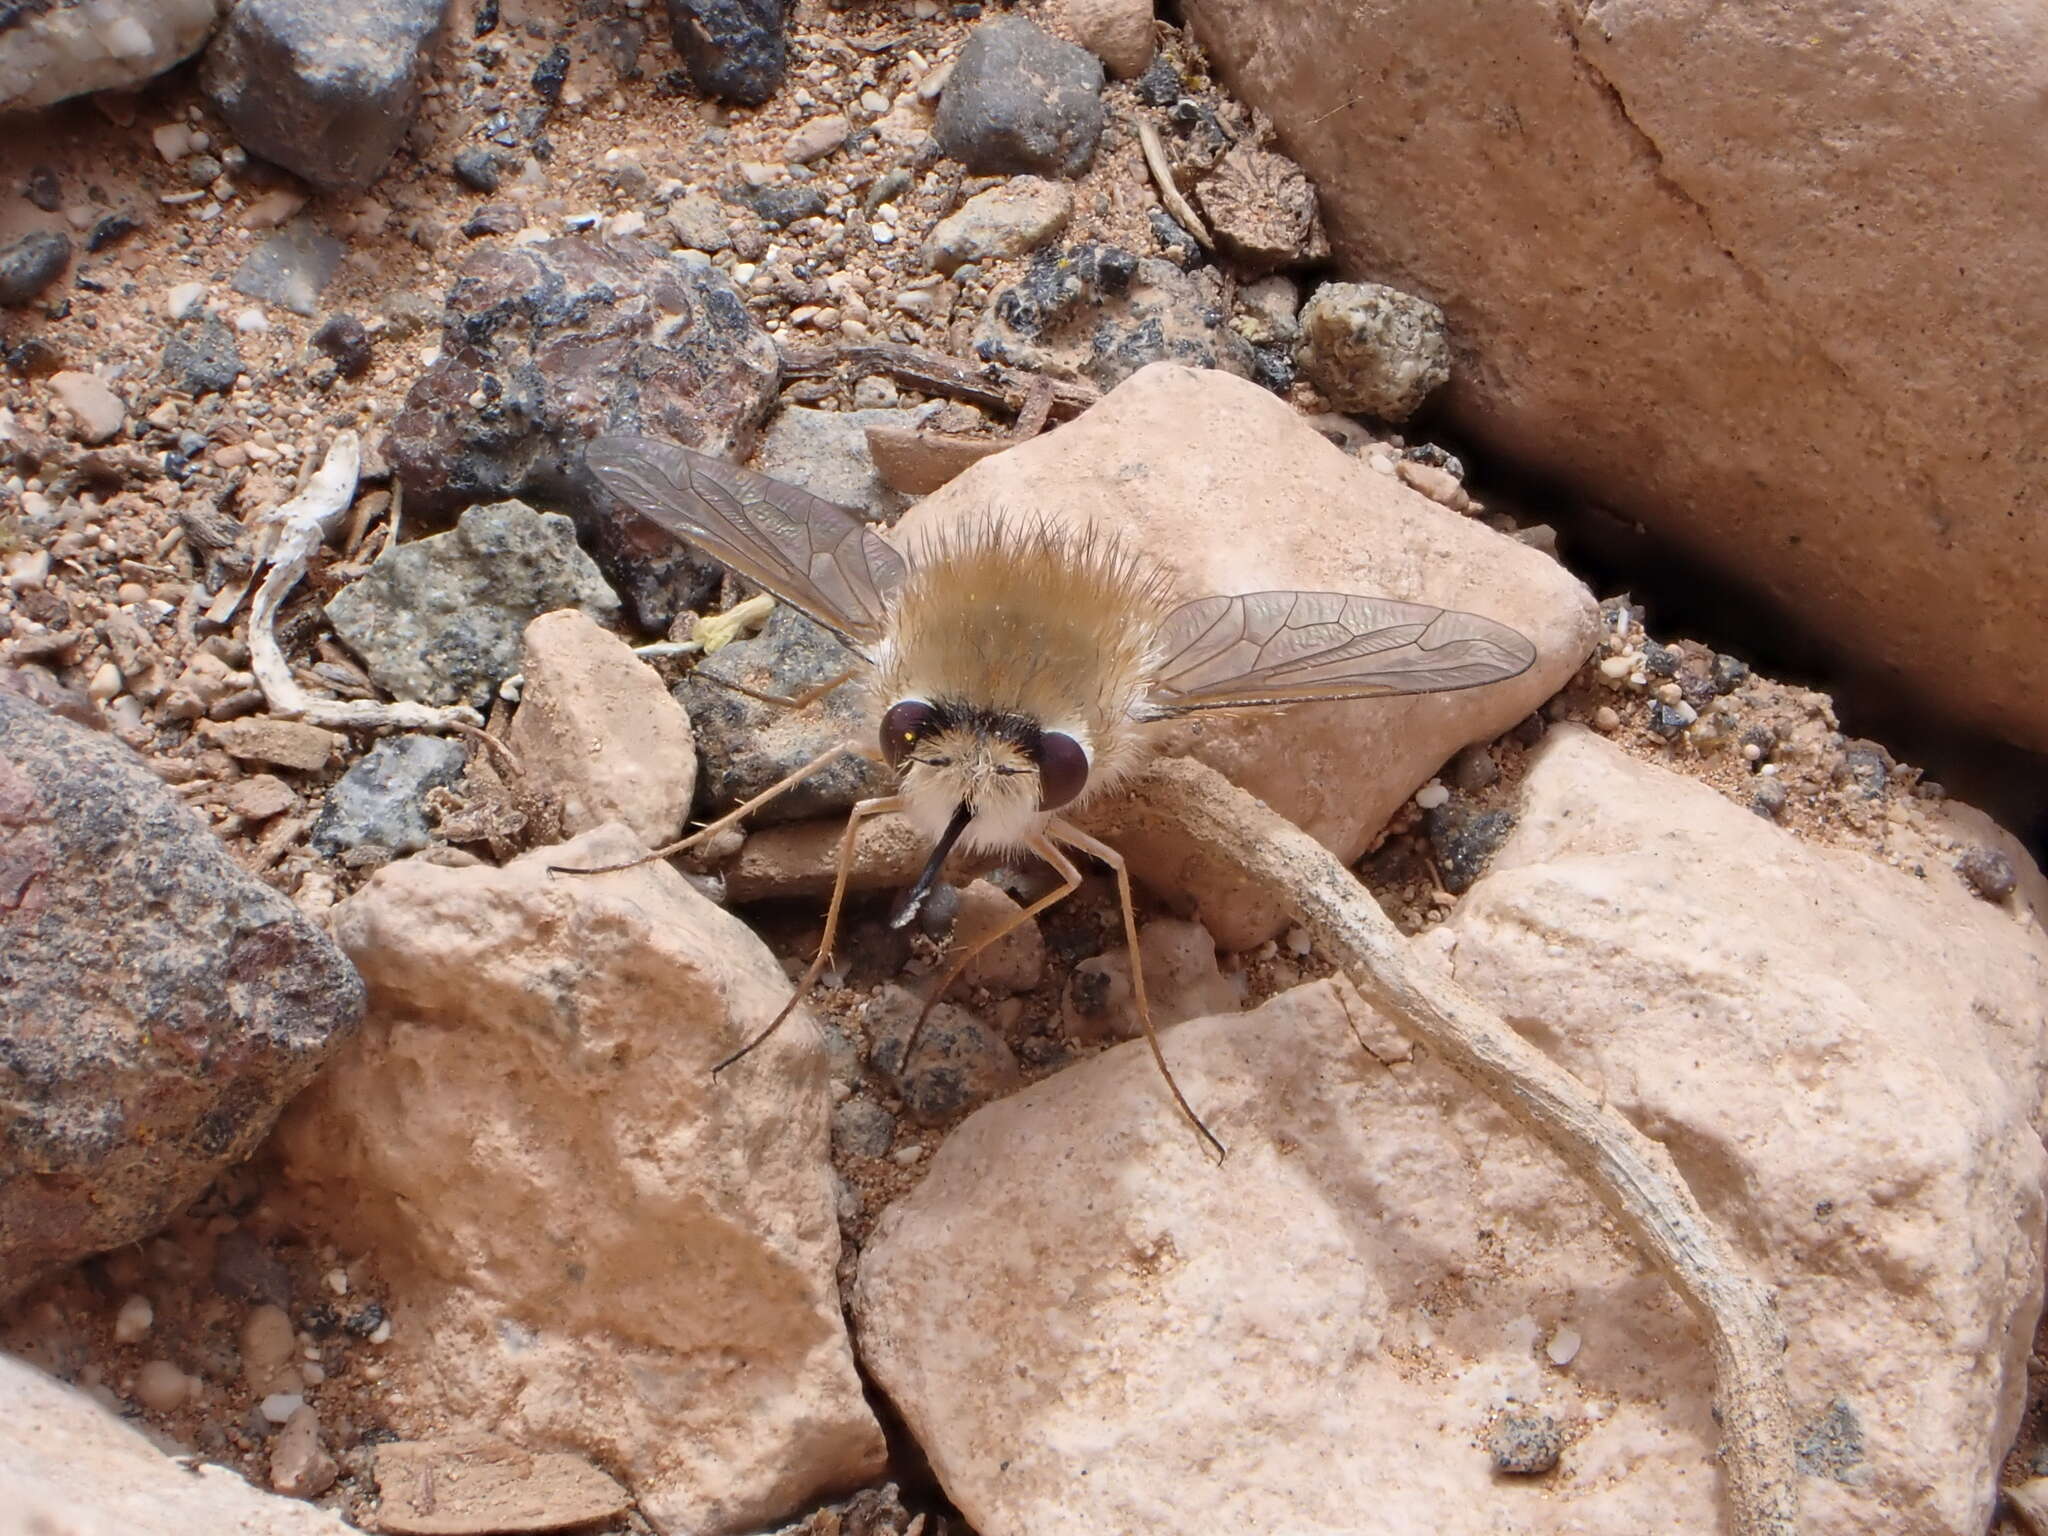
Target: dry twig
(1169, 191)
(1183, 799)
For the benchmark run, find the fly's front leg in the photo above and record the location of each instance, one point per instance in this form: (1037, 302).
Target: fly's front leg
(861, 812)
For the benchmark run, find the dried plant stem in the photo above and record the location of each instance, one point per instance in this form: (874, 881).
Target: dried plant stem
(1634, 1174)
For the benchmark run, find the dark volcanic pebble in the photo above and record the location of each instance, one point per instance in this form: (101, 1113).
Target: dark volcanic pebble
(1989, 873)
(31, 264)
(330, 102)
(733, 49)
(477, 168)
(344, 338)
(203, 358)
(1020, 99)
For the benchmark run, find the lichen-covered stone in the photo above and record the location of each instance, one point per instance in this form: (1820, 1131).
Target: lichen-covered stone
(439, 620)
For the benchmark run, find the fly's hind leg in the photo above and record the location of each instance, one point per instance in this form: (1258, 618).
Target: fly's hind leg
(1075, 838)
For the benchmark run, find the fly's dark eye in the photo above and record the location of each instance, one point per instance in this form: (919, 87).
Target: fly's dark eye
(903, 725)
(1062, 770)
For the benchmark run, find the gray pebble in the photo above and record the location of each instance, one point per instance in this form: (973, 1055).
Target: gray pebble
(290, 268)
(439, 620)
(31, 264)
(1020, 99)
(1728, 674)
(862, 1128)
(1525, 1444)
(1989, 873)
(477, 168)
(203, 358)
(959, 1061)
(345, 339)
(1769, 799)
(1867, 768)
(1474, 768)
(380, 801)
(1463, 841)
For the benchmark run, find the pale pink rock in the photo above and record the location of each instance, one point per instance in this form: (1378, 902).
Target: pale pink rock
(1745, 274)
(299, 1463)
(1234, 492)
(598, 729)
(1848, 1064)
(1015, 961)
(70, 1468)
(1118, 32)
(594, 1246)
(96, 411)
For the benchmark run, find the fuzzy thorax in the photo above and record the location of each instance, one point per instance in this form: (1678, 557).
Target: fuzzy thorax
(1011, 625)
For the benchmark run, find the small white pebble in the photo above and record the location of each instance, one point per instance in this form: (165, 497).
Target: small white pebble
(906, 1155)
(131, 592)
(1297, 940)
(251, 321)
(1670, 693)
(882, 234)
(337, 1280)
(1431, 795)
(1638, 679)
(313, 1373)
(280, 1406)
(1751, 751)
(173, 141)
(103, 685)
(381, 1334)
(1617, 666)
(1606, 719)
(1563, 1346)
(184, 299)
(136, 1314)
(874, 101)
(627, 223)
(743, 272)
(1769, 770)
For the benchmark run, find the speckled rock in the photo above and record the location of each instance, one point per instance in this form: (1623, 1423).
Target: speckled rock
(439, 621)
(1020, 99)
(562, 341)
(53, 49)
(161, 1004)
(744, 745)
(596, 1246)
(1373, 350)
(826, 452)
(379, 801)
(1099, 313)
(329, 103)
(733, 49)
(202, 358)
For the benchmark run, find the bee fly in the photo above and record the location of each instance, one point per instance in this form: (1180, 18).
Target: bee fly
(1016, 668)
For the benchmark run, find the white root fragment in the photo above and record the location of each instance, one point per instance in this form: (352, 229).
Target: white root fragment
(1169, 194)
(291, 533)
(1185, 800)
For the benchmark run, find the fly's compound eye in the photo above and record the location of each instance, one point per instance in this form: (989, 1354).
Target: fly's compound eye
(902, 727)
(1062, 770)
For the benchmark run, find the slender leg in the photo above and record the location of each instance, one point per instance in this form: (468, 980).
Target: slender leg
(786, 782)
(861, 812)
(802, 700)
(1074, 837)
(1070, 878)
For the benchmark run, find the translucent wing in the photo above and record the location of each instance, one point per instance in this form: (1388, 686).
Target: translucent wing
(808, 551)
(1287, 647)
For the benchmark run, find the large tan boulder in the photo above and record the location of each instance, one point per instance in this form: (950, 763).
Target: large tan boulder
(1754, 276)
(1233, 491)
(596, 1246)
(1089, 1327)
(70, 1468)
